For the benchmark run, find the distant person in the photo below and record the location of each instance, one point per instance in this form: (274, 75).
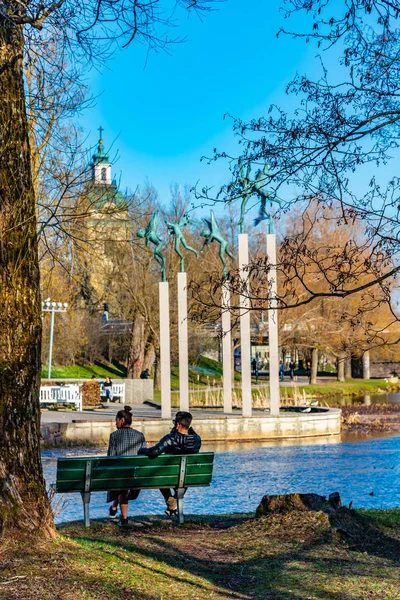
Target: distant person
(124, 442)
(281, 371)
(292, 366)
(108, 389)
(308, 371)
(254, 366)
(182, 439)
(145, 374)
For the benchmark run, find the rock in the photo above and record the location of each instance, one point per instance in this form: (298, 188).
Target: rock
(298, 502)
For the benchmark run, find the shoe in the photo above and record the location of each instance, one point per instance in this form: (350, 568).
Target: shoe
(171, 513)
(122, 522)
(113, 512)
(172, 504)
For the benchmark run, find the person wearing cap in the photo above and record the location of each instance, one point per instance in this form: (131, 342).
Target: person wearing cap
(182, 439)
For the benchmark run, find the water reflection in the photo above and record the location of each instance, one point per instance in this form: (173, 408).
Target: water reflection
(366, 471)
(392, 398)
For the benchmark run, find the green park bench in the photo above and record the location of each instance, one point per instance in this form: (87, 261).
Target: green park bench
(109, 473)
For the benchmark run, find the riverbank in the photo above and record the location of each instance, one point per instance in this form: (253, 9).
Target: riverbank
(377, 417)
(299, 555)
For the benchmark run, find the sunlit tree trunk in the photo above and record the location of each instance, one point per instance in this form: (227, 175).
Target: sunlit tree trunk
(347, 368)
(23, 500)
(137, 347)
(314, 366)
(341, 361)
(149, 357)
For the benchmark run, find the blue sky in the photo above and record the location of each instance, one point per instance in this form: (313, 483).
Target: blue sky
(163, 114)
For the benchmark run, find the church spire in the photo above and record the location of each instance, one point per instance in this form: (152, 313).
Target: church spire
(101, 166)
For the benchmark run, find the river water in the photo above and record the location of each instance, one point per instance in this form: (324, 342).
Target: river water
(366, 471)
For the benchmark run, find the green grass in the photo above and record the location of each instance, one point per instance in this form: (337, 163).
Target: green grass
(294, 556)
(80, 372)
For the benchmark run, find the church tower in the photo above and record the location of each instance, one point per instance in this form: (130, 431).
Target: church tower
(101, 166)
(104, 195)
(108, 228)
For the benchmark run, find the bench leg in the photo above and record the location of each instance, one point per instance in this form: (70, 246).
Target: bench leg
(180, 492)
(86, 502)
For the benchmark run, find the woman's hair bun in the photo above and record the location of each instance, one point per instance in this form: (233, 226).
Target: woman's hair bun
(128, 409)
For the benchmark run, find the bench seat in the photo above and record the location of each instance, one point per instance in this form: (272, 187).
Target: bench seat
(109, 473)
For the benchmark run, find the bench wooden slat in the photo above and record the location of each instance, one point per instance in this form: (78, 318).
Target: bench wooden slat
(164, 459)
(120, 472)
(109, 473)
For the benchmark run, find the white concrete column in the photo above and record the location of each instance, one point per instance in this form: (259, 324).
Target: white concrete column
(274, 392)
(226, 349)
(165, 354)
(183, 343)
(245, 341)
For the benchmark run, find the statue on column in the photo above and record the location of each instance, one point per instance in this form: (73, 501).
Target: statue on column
(176, 230)
(150, 234)
(247, 187)
(213, 233)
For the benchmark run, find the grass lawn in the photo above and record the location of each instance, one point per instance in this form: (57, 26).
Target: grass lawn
(297, 556)
(79, 372)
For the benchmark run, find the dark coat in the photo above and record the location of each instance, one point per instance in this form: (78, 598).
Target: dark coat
(175, 443)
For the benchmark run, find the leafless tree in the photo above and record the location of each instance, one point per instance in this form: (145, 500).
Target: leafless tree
(89, 31)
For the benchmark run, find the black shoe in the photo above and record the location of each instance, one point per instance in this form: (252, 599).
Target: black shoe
(171, 513)
(122, 522)
(113, 512)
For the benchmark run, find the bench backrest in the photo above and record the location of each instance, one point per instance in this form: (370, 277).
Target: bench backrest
(96, 474)
(118, 389)
(45, 394)
(69, 393)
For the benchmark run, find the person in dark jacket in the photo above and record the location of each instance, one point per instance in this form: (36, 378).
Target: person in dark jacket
(126, 441)
(108, 389)
(182, 439)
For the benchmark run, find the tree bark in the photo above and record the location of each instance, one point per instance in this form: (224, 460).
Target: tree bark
(23, 500)
(138, 344)
(341, 361)
(149, 357)
(314, 366)
(157, 372)
(347, 368)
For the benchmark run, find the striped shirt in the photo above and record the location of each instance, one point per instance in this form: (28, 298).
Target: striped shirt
(125, 442)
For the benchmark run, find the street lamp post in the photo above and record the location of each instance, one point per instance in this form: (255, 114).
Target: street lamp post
(52, 307)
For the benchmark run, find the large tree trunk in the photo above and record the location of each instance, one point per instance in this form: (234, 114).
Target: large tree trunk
(341, 361)
(138, 344)
(149, 357)
(157, 372)
(23, 499)
(347, 368)
(314, 366)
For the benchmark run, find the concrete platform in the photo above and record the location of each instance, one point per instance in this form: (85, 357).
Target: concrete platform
(212, 425)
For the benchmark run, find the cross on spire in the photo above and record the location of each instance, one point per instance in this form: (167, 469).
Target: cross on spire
(101, 134)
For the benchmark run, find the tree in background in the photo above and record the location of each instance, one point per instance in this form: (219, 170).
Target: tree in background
(329, 151)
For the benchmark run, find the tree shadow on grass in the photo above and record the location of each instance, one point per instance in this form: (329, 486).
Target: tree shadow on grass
(288, 574)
